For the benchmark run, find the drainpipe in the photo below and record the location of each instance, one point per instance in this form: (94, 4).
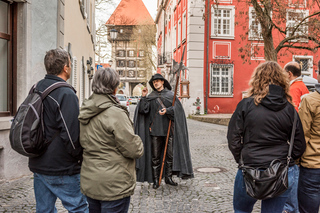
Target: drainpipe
(207, 57)
(164, 30)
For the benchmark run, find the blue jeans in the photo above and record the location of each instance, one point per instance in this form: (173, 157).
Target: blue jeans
(115, 206)
(242, 202)
(67, 188)
(292, 201)
(309, 190)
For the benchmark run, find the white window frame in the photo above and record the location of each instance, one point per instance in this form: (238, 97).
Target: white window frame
(179, 33)
(220, 77)
(299, 5)
(174, 39)
(252, 34)
(184, 26)
(214, 33)
(129, 53)
(308, 72)
(288, 23)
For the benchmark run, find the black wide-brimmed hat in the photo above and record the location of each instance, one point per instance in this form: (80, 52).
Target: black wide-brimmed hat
(159, 76)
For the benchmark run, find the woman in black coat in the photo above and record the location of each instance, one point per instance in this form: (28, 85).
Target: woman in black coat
(260, 129)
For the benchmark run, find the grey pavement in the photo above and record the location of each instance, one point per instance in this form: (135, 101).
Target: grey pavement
(210, 191)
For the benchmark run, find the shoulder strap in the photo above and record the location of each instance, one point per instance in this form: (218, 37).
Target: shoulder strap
(54, 86)
(293, 132)
(32, 88)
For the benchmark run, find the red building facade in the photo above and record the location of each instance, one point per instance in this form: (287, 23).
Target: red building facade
(223, 46)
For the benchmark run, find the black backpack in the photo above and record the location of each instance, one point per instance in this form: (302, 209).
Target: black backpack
(27, 128)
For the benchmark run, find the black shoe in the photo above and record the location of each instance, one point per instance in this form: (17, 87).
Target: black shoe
(156, 184)
(169, 181)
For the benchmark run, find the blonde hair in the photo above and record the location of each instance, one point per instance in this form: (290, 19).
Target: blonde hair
(265, 74)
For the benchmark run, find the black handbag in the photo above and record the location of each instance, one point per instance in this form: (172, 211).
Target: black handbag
(268, 183)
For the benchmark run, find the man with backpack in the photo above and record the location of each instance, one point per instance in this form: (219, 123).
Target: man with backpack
(57, 170)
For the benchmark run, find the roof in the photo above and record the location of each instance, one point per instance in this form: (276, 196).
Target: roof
(130, 12)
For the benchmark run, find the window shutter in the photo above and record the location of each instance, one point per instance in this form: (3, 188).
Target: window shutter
(81, 93)
(74, 75)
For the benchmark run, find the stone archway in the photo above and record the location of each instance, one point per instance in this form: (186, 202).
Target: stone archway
(137, 89)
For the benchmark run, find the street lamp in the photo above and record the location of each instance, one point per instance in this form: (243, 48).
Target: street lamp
(184, 84)
(113, 34)
(89, 68)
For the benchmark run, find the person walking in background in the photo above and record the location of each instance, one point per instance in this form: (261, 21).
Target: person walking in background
(151, 119)
(297, 90)
(57, 171)
(309, 181)
(258, 139)
(297, 87)
(108, 176)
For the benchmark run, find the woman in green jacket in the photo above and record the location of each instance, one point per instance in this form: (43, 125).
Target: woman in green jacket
(108, 176)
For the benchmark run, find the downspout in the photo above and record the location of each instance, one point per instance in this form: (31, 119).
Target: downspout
(207, 58)
(164, 30)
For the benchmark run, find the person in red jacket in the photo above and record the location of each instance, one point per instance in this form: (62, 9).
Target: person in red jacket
(297, 90)
(297, 87)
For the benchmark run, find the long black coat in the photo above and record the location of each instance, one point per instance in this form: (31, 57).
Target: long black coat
(182, 166)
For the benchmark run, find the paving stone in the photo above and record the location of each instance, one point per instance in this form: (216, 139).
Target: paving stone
(207, 192)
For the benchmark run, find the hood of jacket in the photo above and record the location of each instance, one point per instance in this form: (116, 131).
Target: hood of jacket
(96, 104)
(276, 98)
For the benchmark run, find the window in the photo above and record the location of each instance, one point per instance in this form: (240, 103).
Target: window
(7, 73)
(121, 63)
(297, 3)
(184, 26)
(294, 17)
(121, 73)
(141, 63)
(141, 53)
(222, 24)
(141, 74)
(121, 53)
(254, 25)
(131, 74)
(221, 82)
(179, 33)
(131, 53)
(306, 63)
(174, 38)
(131, 64)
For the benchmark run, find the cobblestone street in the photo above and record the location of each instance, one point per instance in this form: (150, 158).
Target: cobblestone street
(210, 191)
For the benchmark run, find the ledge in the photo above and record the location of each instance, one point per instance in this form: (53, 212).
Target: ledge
(221, 119)
(5, 123)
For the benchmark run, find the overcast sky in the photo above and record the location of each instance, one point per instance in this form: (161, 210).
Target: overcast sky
(152, 7)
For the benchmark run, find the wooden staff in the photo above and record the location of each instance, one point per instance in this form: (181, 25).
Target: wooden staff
(170, 122)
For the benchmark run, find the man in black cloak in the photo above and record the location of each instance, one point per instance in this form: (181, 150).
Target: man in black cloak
(151, 122)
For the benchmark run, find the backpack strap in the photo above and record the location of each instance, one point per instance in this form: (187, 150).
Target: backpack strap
(33, 88)
(54, 86)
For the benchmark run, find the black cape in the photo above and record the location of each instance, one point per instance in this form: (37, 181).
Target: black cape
(182, 166)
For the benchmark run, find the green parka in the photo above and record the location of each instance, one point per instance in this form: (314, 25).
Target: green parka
(110, 149)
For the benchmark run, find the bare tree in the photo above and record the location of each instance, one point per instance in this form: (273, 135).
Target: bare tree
(145, 36)
(281, 25)
(102, 8)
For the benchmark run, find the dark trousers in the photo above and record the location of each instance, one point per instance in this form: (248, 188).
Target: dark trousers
(157, 146)
(115, 206)
(309, 190)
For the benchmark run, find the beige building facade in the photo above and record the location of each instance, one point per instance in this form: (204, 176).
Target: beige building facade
(27, 30)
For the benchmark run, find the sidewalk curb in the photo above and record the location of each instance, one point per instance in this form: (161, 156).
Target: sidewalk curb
(214, 120)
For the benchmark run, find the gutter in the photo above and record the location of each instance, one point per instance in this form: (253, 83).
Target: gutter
(163, 5)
